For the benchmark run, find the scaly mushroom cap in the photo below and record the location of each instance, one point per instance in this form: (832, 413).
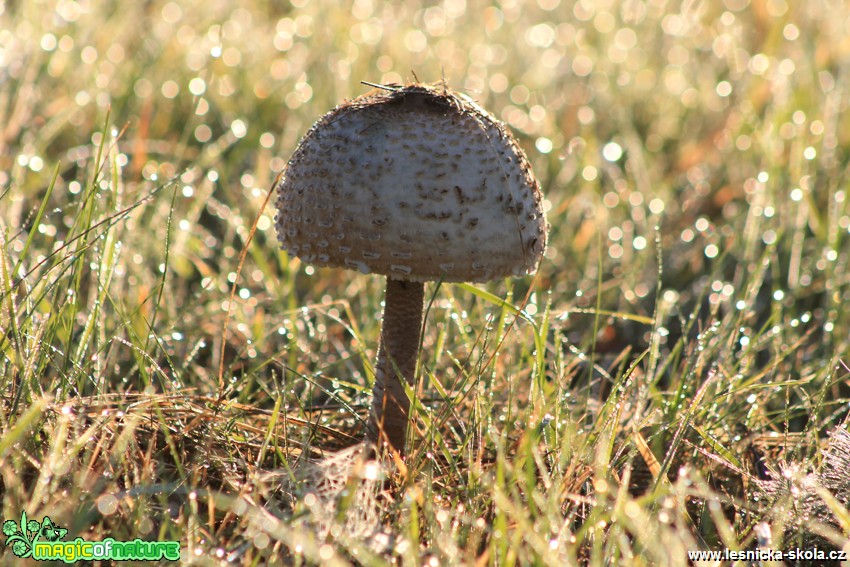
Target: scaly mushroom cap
(417, 183)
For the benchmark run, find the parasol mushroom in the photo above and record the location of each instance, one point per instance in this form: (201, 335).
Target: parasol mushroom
(417, 183)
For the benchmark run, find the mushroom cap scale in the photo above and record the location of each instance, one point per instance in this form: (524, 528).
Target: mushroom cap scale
(417, 183)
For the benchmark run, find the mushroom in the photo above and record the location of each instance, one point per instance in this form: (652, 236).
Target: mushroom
(417, 183)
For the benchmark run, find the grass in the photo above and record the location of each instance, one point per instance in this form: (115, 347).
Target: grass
(665, 383)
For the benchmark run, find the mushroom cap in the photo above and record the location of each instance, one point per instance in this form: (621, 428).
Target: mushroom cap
(417, 183)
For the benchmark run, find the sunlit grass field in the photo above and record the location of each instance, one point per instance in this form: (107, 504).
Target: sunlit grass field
(664, 384)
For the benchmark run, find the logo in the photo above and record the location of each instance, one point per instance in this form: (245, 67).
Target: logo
(43, 542)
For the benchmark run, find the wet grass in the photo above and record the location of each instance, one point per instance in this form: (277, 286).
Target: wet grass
(164, 368)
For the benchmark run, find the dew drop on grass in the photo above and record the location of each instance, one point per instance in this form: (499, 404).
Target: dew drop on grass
(612, 151)
(107, 504)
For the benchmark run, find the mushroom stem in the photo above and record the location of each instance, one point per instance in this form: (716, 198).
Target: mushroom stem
(400, 334)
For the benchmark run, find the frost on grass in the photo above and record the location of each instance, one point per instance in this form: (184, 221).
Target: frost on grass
(806, 504)
(343, 493)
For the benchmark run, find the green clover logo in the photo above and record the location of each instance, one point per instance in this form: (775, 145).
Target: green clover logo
(22, 537)
(21, 549)
(18, 537)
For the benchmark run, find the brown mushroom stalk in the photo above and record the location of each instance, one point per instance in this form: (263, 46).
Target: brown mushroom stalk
(417, 183)
(397, 355)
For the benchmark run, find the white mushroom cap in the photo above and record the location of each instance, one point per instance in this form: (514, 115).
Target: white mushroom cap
(417, 183)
